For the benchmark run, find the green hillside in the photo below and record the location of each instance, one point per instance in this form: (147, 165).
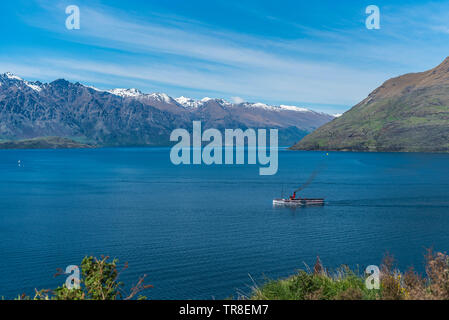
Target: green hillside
(409, 113)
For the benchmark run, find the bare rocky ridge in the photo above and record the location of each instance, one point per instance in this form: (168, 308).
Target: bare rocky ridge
(128, 117)
(409, 113)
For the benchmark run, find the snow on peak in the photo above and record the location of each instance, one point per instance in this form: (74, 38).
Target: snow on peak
(136, 93)
(337, 115)
(183, 100)
(126, 92)
(36, 86)
(95, 88)
(223, 102)
(274, 108)
(12, 76)
(293, 108)
(188, 102)
(33, 85)
(192, 103)
(162, 97)
(261, 105)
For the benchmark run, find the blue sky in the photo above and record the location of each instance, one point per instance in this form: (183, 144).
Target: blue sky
(316, 54)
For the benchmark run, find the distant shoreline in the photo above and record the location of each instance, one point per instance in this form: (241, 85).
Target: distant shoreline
(53, 143)
(368, 151)
(44, 143)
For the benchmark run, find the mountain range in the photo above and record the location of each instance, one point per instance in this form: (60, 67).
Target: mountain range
(129, 117)
(409, 113)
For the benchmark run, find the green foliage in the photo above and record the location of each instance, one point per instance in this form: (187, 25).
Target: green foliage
(310, 286)
(99, 281)
(348, 285)
(43, 143)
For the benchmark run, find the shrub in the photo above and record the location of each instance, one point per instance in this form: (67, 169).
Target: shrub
(99, 281)
(345, 284)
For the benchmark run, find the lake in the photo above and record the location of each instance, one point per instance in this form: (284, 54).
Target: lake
(198, 232)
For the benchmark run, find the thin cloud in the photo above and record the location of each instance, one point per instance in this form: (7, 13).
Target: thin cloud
(237, 100)
(175, 54)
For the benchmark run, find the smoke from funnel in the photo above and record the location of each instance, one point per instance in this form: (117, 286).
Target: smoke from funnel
(311, 178)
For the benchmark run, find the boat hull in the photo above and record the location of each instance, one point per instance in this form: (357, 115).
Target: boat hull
(298, 202)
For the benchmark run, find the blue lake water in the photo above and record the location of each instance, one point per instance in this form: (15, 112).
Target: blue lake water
(199, 231)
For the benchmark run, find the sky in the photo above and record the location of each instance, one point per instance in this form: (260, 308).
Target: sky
(314, 54)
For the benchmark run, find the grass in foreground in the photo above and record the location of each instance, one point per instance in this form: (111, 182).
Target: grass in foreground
(345, 284)
(100, 281)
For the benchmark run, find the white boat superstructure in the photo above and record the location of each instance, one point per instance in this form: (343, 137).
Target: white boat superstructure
(298, 201)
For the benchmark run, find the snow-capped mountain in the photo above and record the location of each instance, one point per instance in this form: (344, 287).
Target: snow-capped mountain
(11, 76)
(17, 81)
(129, 116)
(126, 92)
(189, 102)
(275, 108)
(192, 103)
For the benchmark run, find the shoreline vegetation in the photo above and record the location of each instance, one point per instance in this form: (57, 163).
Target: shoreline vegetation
(346, 284)
(44, 143)
(67, 143)
(100, 281)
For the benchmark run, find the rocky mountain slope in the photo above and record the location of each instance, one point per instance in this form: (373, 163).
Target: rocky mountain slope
(128, 117)
(409, 113)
